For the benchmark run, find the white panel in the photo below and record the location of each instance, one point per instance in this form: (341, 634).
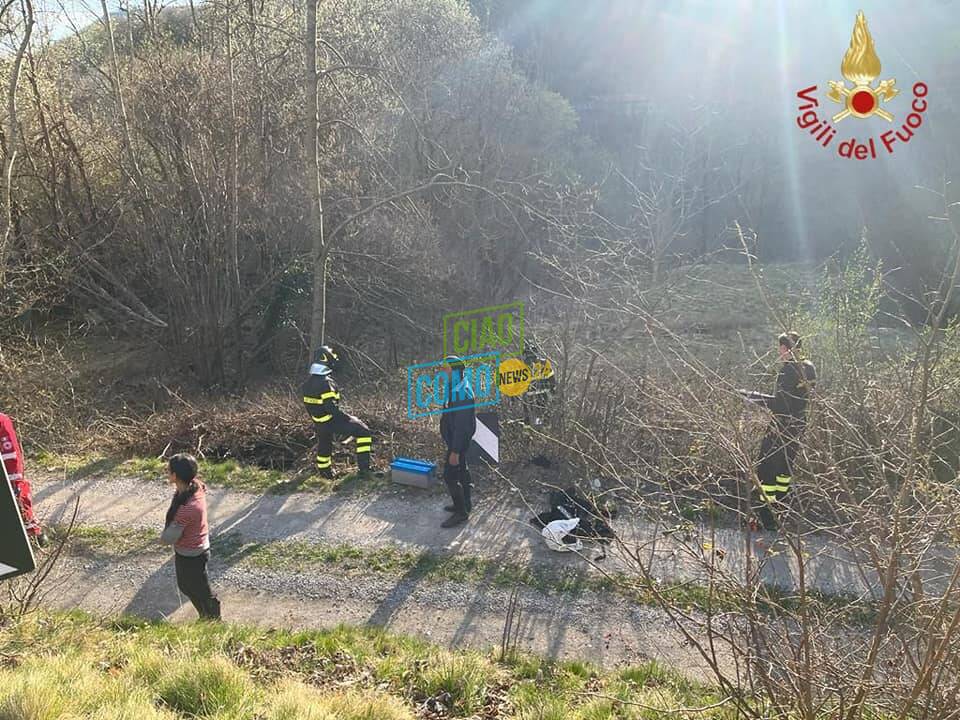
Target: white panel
(487, 441)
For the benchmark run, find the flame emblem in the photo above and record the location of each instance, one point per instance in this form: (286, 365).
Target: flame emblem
(861, 66)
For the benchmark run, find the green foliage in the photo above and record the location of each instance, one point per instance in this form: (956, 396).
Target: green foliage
(838, 331)
(71, 687)
(531, 704)
(221, 473)
(460, 681)
(299, 702)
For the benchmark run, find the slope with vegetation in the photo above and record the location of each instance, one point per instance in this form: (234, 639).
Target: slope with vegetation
(196, 196)
(59, 666)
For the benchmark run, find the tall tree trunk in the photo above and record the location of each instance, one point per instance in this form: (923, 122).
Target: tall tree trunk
(13, 132)
(121, 106)
(312, 175)
(233, 244)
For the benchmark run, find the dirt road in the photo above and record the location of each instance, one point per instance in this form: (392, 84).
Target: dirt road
(409, 518)
(603, 627)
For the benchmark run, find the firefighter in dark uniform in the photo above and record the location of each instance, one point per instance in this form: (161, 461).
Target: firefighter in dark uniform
(542, 386)
(321, 399)
(458, 422)
(795, 383)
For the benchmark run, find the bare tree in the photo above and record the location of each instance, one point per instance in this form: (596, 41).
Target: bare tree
(311, 92)
(849, 608)
(12, 134)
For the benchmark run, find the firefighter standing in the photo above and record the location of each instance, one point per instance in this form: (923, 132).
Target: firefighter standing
(321, 399)
(795, 383)
(542, 386)
(458, 422)
(12, 456)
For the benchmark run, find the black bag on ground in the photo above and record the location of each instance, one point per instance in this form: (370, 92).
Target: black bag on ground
(570, 503)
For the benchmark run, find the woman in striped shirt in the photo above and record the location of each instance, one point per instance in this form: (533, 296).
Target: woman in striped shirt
(186, 529)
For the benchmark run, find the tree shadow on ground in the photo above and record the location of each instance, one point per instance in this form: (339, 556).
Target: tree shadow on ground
(402, 590)
(90, 472)
(226, 551)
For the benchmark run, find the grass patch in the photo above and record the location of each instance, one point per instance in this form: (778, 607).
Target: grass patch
(98, 540)
(64, 665)
(210, 689)
(230, 474)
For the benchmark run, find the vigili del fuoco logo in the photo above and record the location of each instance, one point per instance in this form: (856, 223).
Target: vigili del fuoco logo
(861, 67)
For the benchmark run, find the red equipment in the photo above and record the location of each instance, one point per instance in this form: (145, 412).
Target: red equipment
(12, 456)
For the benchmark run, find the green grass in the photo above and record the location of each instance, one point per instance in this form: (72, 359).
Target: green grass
(230, 474)
(71, 665)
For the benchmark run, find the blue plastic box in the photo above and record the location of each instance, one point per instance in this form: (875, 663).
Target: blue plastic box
(419, 473)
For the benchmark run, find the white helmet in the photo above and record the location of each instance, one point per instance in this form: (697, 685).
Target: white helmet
(555, 531)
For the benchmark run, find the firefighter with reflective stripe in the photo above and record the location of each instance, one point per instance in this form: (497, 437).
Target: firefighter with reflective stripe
(321, 399)
(542, 386)
(12, 456)
(795, 384)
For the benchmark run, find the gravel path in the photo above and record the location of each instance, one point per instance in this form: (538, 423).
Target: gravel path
(602, 629)
(406, 517)
(605, 628)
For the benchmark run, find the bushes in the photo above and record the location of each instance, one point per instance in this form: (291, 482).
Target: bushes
(269, 430)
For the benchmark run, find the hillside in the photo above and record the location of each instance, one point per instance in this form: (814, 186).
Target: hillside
(236, 240)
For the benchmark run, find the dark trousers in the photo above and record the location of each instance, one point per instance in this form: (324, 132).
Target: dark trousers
(345, 425)
(459, 484)
(775, 463)
(535, 405)
(193, 582)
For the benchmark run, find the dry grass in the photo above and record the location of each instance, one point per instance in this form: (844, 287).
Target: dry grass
(270, 430)
(68, 667)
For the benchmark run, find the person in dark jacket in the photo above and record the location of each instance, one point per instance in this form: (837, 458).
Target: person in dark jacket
(186, 529)
(458, 422)
(795, 384)
(321, 399)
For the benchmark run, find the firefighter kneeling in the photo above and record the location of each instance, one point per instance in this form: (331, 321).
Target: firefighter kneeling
(321, 399)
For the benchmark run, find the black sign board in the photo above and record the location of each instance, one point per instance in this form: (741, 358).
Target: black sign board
(16, 555)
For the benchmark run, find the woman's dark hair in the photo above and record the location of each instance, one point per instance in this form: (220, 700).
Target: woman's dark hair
(185, 468)
(790, 340)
